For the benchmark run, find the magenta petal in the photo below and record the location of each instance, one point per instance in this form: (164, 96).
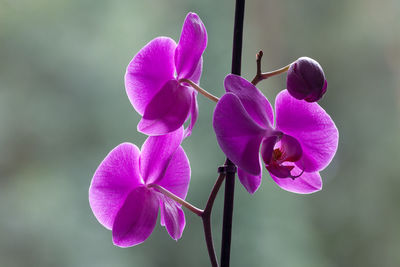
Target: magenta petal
(311, 126)
(157, 152)
(237, 134)
(194, 112)
(255, 103)
(136, 219)
(195, 77)
(167, 111)
(191, 46)
(308, 182)
(177, 175)
(116, 176)
(162, 222)
(250, 182)
(173, 218)
(149, 70)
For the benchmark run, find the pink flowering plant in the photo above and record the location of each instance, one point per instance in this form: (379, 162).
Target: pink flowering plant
(293, 141)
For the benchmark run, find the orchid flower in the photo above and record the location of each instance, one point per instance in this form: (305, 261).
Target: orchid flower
(302, 142)
(152, 79)
(123, 194)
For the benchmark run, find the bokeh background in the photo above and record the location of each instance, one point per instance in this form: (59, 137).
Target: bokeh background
(63, 107)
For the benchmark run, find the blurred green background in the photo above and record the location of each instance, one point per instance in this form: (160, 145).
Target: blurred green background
(63, 107)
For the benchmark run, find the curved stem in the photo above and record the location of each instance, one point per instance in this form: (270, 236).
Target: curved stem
(172, 196)
(214, 193)
(200, 90)
(209, 241)
(207, 220)
(262, 76)
(205, 215)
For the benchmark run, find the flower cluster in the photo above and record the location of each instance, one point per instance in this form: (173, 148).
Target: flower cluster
(124, 194)
(294, 141)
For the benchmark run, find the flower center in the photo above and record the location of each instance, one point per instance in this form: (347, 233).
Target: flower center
(276, 154)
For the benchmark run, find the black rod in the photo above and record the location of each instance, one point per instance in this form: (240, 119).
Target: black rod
(230, 167)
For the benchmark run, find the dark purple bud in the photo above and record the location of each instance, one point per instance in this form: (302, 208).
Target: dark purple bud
(306, 80)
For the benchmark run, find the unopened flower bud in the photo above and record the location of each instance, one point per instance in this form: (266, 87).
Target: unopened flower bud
(306, 80)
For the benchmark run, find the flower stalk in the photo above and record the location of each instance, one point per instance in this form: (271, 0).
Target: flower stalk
(174, 197)
(207, 220)
(204, 214)
(262, 76)
(200, 90)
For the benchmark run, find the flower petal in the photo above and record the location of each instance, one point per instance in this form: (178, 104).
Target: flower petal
(237, 134)
(157, 152)
(136, 219)
(149, 70)
(191, 46)
(177, 175)
(194, 112)
(167, 111)
(255, 103)
(195, 77)
(311, 126)
(250, 182)
(307, 183)
(173, 218)
(116, 176)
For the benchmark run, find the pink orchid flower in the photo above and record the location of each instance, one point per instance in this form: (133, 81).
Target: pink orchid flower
(122, 194)
(302, 142)
(152, 79)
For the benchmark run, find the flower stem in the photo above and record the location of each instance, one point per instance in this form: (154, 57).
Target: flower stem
(207, 220)
(262, 76)
(174, 197)
(205, 215)
(200, 90)
(230, 167)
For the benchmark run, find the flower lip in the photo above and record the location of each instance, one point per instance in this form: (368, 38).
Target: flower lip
(288, 150)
